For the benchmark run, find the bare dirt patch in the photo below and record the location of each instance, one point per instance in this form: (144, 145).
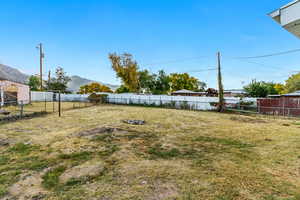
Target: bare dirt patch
(28, 187)
(90, 168)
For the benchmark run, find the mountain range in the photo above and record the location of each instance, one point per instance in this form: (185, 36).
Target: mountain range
(13, 74)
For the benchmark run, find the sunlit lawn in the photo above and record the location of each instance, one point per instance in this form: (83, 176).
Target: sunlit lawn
(91, 154)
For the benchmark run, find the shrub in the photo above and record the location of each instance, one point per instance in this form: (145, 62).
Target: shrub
(98, 98)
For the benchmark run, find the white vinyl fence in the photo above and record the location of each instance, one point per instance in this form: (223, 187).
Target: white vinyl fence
(51, 96)
(184, 102)
(41, 96)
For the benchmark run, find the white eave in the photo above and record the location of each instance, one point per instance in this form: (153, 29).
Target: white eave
(288, 17)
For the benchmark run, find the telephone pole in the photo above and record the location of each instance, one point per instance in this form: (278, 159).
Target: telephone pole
(40, 47)
(49, 77)
(220, 85)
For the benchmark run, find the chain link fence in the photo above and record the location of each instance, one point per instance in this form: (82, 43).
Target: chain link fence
(40, 103)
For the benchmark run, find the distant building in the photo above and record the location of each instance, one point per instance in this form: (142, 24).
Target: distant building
(235, 93)
(188, 93)
(288, 17)
(227, 93)
(286, 104)
(12, 92)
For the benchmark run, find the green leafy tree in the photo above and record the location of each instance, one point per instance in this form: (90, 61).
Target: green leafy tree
(184, 81)
(34, 83)
(293, 83)
(280, 88)
(161, 83)
(122, 89)
(146, 81)
(126, 69)
(94, 88)
(256, 89)
(60, 81)
(270, 88)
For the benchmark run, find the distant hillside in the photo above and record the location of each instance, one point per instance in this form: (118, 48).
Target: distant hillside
(12, 74)
(77, 81)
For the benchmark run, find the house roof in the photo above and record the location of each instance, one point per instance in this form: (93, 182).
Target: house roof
(237, 91)
(183, 91)
(293, 94)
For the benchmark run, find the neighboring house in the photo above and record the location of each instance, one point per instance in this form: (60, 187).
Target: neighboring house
(227, 93)
(288, 17)
(235, 93)
(286, 104)
(12, 92)
(187, 93)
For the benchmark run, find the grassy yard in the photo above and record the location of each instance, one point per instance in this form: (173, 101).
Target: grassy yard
(43, 106)
(90, 154)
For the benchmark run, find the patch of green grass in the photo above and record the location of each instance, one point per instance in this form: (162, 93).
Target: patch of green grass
(22, 148)
(230, 194)
(35, 163)
(109, 150)
(51, 178)
(4, 160)
(157, 151)
(224, 141)
(78, 156)
(3, 190)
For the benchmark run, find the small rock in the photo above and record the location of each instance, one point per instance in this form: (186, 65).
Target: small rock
(134, 122)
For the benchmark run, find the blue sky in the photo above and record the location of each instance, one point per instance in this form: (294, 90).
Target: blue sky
(79, 34)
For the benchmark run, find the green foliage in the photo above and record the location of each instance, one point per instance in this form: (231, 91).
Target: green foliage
(78, 156)
(293, 83)
(158, 151)
(51, 178)
(59, 83)
(146, 81)
(34, 83)
(224, 141)
(22, 148)
(126, 69)
(94, 87)
(122, 89)
(161, 83)
(185, 81)
(134, 80)
(261, 89)
(97, 98)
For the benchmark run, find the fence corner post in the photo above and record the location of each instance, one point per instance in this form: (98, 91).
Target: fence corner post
(22, 109)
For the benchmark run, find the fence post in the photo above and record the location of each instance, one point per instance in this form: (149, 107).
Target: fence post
(22, 109)
(59, 105)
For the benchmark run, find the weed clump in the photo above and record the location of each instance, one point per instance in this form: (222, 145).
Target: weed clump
(158, 151)
(51, 178)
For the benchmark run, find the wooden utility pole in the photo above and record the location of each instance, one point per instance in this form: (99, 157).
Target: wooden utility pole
(49, 77)
(40, 47)
(220, 85)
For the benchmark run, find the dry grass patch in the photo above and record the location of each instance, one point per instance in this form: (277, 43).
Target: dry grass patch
(177, 154)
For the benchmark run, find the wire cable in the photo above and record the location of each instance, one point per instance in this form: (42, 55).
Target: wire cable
(270, 55)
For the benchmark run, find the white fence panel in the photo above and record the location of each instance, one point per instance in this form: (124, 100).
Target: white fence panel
(41, 96)
(197, 103)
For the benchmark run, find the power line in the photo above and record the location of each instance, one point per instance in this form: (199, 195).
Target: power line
(175, 61)
(261, 64)
(270, 55)
(202, 70)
